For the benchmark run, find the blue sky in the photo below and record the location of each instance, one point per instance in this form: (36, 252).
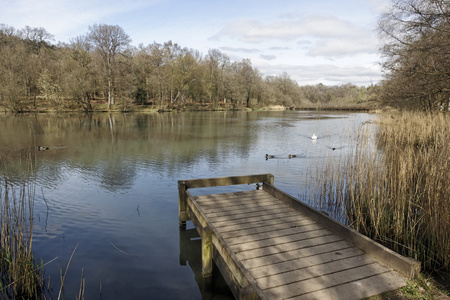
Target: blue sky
(322, 41)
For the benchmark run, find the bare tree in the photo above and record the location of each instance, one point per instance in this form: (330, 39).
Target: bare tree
(37, 36)
(109, 40)
(79, 78)
(416, 56)
(216, 62)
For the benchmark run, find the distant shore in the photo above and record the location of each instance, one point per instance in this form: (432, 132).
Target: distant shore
(99, 106)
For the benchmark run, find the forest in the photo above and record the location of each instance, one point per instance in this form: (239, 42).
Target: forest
(102, 71)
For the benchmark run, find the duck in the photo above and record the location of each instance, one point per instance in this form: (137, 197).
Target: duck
(314, 136)
(292, 155)
(42, 148)
(269, 156)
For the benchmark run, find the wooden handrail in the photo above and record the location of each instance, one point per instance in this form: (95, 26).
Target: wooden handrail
(222, 181)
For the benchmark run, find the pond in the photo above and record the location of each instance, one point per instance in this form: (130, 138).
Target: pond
(107, 186)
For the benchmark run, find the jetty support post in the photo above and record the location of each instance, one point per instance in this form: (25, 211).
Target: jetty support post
(207, 252)
(182, 213)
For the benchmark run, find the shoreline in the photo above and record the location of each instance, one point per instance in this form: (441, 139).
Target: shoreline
(137, 109)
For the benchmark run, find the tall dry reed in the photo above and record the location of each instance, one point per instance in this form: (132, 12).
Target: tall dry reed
(397, 192)
(19, 276)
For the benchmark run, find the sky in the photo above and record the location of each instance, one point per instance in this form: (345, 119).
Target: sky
(321, 41)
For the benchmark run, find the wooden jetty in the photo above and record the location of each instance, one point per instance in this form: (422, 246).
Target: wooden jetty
(269, 245)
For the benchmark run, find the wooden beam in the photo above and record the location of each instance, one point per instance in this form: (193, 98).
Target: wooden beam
(248, 288)
(194, 211)
(222, 181)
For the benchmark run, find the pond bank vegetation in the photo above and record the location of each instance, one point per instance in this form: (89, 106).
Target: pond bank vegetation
(397, 192)
(21, 274)
(20, 277)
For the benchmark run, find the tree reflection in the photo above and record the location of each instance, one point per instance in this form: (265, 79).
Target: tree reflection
(114, 145)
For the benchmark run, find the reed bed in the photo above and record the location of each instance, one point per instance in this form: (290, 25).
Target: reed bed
(20, 278)
(395, 187)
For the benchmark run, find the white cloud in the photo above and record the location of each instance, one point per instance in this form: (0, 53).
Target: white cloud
(267, 57)
(378, 6)
(63, 18)
(329, 74)
(240, 50)
(321, 26)
(343, 47)
(319, 35)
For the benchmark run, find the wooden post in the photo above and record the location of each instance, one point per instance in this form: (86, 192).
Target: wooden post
(271, 179)
(207, 288)
(182, 214)
(184, 240)
(207, 252)
(247, 293)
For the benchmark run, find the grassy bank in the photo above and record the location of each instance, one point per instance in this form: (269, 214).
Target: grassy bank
(100, 105)
(399, 193)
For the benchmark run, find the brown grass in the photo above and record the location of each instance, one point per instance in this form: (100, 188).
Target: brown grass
(20, 277)
(397, 194)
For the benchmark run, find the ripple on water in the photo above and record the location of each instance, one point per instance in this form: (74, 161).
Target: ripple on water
(123, 192)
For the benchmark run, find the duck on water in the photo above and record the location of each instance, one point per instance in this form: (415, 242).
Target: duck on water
(269, 156)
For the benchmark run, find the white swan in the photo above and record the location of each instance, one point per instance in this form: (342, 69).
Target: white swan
(314, 137)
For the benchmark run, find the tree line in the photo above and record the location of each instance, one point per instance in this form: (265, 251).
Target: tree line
(102, 66)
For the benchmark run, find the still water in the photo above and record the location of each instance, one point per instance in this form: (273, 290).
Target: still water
(107, 185)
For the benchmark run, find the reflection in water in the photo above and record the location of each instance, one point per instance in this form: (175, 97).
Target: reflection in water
(213, 287)
(111, 179)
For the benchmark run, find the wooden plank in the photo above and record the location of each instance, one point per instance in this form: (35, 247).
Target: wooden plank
(249, 215)
(241, 197)
(293, 245)
(246, 238)
(245, 230)
(406, 266)
(243, 209)
(323, 269)
(322, 282)
(280, 240)
(228, 201)
(294, 220)
(359, 289)
(283, 256)
(303, 262)
(257, 218)
(232, 206)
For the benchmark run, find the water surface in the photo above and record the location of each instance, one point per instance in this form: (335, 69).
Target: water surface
(108, 186)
